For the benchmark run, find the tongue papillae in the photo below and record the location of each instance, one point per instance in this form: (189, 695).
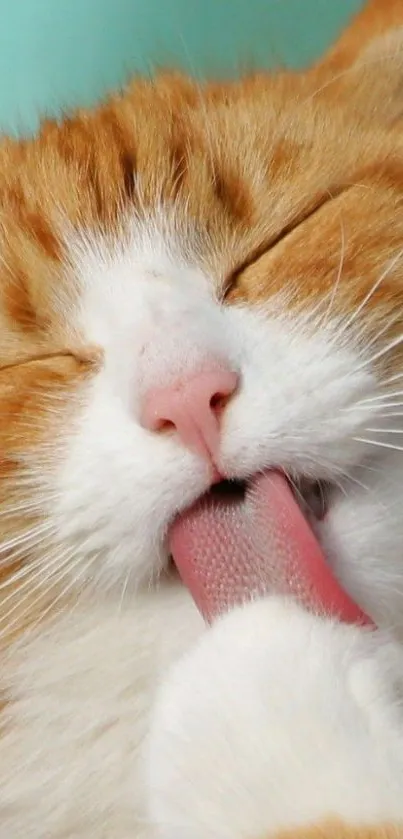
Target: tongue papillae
(231, 549)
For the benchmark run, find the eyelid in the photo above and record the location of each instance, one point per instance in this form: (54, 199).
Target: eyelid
(87, 356)
(326, 198)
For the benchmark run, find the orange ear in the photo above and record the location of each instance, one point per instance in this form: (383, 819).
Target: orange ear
(363, 70)
(377, 18)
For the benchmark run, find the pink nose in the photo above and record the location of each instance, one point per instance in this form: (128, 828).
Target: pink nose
(192, 407)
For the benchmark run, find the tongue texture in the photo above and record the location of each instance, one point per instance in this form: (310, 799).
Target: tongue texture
(231, 549)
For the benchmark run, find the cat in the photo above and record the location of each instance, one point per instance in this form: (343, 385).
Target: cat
(199, 283)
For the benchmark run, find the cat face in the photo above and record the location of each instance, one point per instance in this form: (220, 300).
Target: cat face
(239, 245)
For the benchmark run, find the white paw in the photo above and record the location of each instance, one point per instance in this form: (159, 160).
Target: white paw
(277, 718)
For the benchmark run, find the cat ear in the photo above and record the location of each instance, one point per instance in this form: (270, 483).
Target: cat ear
(375, 27)
(365, 65)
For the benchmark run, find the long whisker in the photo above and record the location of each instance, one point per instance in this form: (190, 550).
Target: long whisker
(33, 506)
(387, 325)
(370, 490)
(17, 555)
(387, 414)
(377, 408)
(340, 486)
(378, 443)
(124, 590)
(338, 277)
(25, 538)
(357, 482)
(354, 315)
(380, 397)
(385, 430)
(25, 571)
(46, 582)
(42, 574)
(296, 488)
(72, 582)
(392, 344)
(393, 378)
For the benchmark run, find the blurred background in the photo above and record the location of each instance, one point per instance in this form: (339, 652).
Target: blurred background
(57, 54)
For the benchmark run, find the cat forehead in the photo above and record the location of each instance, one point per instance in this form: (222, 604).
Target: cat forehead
(221, 172)
(148, 261)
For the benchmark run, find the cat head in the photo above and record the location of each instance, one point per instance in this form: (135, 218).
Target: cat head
(201, 281)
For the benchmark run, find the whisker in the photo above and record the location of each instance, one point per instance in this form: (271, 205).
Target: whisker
(391, 379)
(338, 277)
(49, 580)
(378, 443)
(383, 351)
(387, 414)
(25, 571)
(340, 486)
(124, 590)
(295, 488)
(378, 411)
(16, 555)
(72, 582)
(381, 396)
(350, 320)
(44, 567)
(362, 333)
(388, 405)
(358, 483)
(16, 510)
(25, 538)
(317, 309)
(370, 490)
(386, 430)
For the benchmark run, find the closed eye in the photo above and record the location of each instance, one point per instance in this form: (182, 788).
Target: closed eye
(261, 250)
(87, 357)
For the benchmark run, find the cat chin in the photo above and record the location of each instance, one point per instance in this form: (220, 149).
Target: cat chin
(284, 735)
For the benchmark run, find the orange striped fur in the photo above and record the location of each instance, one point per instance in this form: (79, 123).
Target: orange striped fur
(273, 201)
(252, 187)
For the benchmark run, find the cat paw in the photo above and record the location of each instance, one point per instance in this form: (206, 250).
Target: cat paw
(277, 719)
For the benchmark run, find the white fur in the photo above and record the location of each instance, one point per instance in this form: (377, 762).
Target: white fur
(82, 690)
(156, 317)
(82, 695)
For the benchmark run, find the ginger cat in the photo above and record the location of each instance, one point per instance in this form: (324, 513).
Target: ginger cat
(200, 284)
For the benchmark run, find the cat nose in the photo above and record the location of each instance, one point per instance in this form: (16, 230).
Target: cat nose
(192, 406)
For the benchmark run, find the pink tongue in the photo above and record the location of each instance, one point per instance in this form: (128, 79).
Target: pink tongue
(232, 549)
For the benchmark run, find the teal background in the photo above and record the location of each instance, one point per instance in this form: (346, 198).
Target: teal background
(56, 54)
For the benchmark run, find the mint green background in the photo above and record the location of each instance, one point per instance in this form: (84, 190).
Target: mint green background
(55, 54)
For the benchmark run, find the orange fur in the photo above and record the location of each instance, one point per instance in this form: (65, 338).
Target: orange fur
(263, 184)
(266, 191)
(337, 830)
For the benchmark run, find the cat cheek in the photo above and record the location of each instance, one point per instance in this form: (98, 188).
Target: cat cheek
(35, 395)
